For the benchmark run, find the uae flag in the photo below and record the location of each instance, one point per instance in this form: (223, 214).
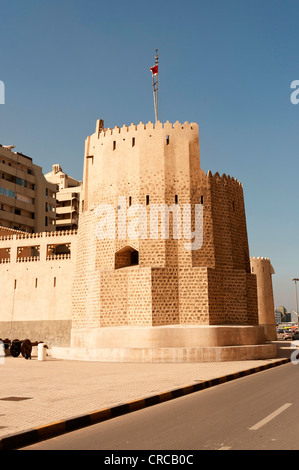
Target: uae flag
(154, 69)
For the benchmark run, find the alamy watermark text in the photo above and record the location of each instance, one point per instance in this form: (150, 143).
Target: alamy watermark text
(142, 222)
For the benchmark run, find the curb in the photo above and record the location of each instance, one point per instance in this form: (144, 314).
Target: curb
(42, 433)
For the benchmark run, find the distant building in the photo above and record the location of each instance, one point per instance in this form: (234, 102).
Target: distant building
(27, 199)
(67, 198)
(278, 315)
(283, 315)
(294, 317)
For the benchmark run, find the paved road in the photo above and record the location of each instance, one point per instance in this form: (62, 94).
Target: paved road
(255, 412)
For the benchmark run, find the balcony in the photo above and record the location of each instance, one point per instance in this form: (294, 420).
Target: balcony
(64, 222)
(15, 171)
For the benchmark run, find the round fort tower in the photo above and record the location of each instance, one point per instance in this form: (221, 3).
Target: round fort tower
(264, 270)
(129, 275)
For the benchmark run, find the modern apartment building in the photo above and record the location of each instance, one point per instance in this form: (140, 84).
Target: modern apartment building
(27, 199)
(67, 198)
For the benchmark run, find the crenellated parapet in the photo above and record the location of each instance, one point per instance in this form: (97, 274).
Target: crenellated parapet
(261, 265)
(224, 178)
(140, 135)
(30, 236)
(38, 247)
(134, 129)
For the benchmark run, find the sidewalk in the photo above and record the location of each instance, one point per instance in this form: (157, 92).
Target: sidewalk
(41, 399)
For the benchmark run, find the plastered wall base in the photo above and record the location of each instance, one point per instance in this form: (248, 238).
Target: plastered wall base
(176, 343)
(213, 354)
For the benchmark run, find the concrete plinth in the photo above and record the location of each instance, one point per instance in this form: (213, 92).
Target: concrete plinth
(270, 332)
(177, 343)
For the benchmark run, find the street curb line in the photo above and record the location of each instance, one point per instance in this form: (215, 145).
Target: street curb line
(33, 436)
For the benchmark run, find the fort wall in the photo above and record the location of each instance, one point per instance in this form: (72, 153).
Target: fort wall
(36, 273)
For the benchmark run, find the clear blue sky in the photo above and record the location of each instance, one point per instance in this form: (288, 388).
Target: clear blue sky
(226, 65)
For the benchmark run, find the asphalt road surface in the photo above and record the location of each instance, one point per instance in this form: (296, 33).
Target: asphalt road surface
(258, 412)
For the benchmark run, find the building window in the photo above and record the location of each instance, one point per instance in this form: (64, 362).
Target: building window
(114, 144)
(130, 201)
(167, 140)
(36, 283)
(147, 200)
(201, 199)
(176, 199)
(21, 182)
(54, 281)
(15, 284)
(7, 192)
(133, 141)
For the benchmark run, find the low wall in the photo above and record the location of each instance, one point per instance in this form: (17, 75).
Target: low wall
(52, 333)
(36, 287)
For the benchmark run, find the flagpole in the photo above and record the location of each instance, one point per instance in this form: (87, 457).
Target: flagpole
(156, 63)
(154, 95)
(155, 75)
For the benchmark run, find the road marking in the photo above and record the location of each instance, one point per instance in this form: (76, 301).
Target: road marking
(270, 417)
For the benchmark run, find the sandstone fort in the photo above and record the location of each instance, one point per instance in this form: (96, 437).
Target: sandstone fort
(133, 298)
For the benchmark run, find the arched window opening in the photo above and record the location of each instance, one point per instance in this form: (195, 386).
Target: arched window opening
(125, 257)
